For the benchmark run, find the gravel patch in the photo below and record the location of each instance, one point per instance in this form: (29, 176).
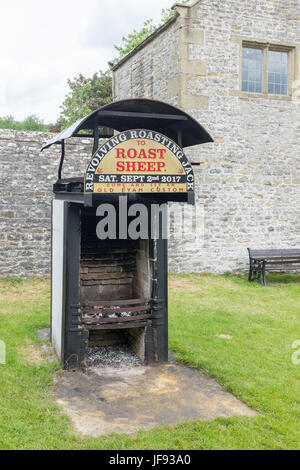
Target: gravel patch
(44, 335)
(112, 356)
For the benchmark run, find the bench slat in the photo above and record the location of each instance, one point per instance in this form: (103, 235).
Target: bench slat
(283, 260)
(291, 267)
(275, 253)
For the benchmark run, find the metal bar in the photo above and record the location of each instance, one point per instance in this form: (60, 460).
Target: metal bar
(179, 137)
(119, 326)
(96, 139)
(115, 303)
(160, 300)
(143, 115)
(106, 276)
(72, 335)
(63, 149)
(250, 274)
(91, 136)
(250, 265)
(111, 311)
(101, 321)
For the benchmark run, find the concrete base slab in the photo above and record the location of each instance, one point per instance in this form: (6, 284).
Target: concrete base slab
(104, 401)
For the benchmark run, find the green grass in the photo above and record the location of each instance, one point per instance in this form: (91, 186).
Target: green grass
(255, 365)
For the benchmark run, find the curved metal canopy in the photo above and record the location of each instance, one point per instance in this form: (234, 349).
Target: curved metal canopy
(142, 114)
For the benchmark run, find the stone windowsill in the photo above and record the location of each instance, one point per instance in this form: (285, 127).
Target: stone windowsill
(266, 96)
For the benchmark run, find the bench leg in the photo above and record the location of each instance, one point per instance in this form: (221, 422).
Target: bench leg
(254, 271)
(257, 272)
(263, 273)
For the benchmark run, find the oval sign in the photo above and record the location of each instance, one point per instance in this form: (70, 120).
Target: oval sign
(139, 161)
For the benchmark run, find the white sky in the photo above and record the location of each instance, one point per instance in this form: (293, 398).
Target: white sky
(45, 42)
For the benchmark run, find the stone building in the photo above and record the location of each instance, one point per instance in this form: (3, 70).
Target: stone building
(234, 66)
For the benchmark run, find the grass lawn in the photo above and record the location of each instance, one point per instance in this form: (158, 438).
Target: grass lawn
(255, 364)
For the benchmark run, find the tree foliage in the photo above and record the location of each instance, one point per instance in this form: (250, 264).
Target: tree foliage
(136, 37)
(30, 123)
(86, 95)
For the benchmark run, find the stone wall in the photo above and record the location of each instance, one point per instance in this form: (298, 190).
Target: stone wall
(248, 184)
(148, 72)
(27, 177)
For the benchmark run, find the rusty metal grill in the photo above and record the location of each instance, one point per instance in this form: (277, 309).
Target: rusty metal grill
(114, 314)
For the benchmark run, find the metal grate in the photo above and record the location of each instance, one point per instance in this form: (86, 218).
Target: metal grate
(114, 313)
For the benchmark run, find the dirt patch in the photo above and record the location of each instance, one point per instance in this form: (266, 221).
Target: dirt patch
(30, 355)
(19, 289)
(186, 283)
(200, 283)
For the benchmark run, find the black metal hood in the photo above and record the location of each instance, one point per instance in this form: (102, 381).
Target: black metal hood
(140, 113)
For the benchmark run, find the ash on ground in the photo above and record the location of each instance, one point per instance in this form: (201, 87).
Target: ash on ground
(112, 356)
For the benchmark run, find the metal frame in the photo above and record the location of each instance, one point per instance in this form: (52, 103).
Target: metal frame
(185, 131)
(74, 333)
(75, 337)
(96, 135)
(156, 116)
(170, 121)
(257, 271)
(160, 308)
(62, 158)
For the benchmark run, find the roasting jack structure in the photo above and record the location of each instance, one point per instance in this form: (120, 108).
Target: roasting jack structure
(115, 291)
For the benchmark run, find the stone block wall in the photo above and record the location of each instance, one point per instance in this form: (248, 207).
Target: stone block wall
(26, 182)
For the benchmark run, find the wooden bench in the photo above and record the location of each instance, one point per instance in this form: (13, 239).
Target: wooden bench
(272, 260)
